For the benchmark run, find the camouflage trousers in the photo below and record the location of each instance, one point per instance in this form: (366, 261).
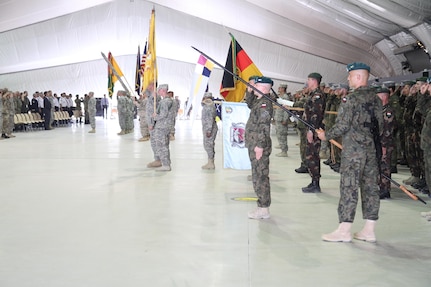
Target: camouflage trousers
(335, 152)
(161, 137)
(385, 168)
(1, 123)
(313, 158)
(302, 146)
(129, 125)
(143, 125)
(153, 144)
(427, 161)
(92, 119)
(414, 153)
(281, 132)
(260, 176)
(209, 143)
(122, 120)
(358, 170)
(6, 124)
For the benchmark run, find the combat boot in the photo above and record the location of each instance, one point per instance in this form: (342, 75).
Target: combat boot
(259, 213)
(411, 180)
(341, 234)
(171, 137)
(328, 161)
(156, 163)
(367, 233)
(92, 131)
(209, 165)
(121, 133)
(164, 168)
(143, 139)
(384, 194)
(301, 169)
(313, 187)
(282, 154)
(249, 177)
(426, 213)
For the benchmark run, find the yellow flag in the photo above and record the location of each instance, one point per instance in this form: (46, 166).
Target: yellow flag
(150, 71)
(116, 67)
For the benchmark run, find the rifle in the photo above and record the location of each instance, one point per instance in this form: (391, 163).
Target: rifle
(337, 144)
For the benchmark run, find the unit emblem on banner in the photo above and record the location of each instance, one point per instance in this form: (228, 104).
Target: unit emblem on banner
(237, 135)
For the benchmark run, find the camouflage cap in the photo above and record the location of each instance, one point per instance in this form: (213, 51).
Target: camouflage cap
(422, 79)
(208, 95)
(284, 86)
(357, 66)
(163, 87)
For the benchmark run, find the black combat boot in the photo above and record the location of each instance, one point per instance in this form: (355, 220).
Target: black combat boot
(301, 169)
(384, 194)
(313, 187)
(394, 169)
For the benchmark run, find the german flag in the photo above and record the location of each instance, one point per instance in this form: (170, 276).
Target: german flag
(239, 63)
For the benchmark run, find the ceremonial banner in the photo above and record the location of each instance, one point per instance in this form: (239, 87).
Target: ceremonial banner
(150, 70)
(200, 83)
(239, 63)
(235, 154)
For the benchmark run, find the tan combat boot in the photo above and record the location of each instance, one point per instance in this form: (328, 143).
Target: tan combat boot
(121, 133)
(282, 154)
(341, 234)
(156, 163)
(92, 131)
(171, 137)
(164, 168)
(259, 213)
(367, 233)
(144, 139)
(209, 165)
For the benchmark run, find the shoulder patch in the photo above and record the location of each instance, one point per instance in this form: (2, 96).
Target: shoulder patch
(388, 115)
(344, 99)
(263, 105)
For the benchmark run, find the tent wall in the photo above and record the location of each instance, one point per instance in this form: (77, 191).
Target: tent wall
(63, 54)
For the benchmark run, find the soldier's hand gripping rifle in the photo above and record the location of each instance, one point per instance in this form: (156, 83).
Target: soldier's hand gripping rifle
(337, 144)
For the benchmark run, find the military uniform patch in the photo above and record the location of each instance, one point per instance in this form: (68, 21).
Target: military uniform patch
(388, 115)
(263, 105)
(344, 99)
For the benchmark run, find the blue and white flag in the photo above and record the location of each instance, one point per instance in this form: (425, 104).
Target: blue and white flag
(200, 84)
(235, 154)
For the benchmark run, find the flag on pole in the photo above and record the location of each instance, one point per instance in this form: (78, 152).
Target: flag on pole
(150, 70)
(138, 72)
(237, 62)
(200, 82)
(235, 154)
(112, 78)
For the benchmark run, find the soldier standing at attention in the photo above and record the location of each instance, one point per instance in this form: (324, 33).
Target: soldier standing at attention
(151, 122)
(122, 110)
(209, 128)
(141, 104)
(358, 167)
(173, 114)
(162, 128)
(281, 119)
(258, 142)
(314, 110)
(92, 112)
(388, 142)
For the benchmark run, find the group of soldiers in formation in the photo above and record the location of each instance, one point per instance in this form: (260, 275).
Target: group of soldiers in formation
(366, 129)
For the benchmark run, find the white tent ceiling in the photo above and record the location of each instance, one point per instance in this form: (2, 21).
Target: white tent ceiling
(51, 44)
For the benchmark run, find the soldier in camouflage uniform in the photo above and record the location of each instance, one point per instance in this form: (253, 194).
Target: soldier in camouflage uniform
(152, 96)
(358, 158)
(394, 103)
(387, 141)
(424, 101)
(209, 128)
(412, 128)
(130, 115)
(2, 131)
(259, 145)
(92, 112)
(300, 99)
(122, 111)
(281, 119)
(314, 110)
(162, 128)
(141, 104)
(173, 114)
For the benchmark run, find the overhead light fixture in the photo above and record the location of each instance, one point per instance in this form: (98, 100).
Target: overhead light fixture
(373, 5)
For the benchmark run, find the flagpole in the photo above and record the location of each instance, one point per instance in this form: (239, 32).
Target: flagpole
(116, 73)
(405, 190)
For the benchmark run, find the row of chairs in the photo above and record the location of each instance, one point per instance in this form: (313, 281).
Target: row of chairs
(24, 121)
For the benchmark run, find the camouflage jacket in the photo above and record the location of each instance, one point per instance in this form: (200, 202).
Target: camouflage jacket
(258, 127)
(163, 120)
(354, 119)
(426, 133)
(209, 114)
(314, 108)
(389, 125)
